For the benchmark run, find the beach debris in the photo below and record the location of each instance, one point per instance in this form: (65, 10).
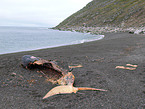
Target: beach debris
(128, 68)
(131, 67)
(31, 62)
(55, 75)
(67, 79)
(68, 89)
(75, 66)
(13, 74)
(45, 67)
(31, 81)
(98, 60)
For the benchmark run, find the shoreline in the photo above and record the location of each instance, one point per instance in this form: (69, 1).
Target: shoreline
(46, 41)
(98, 58)
(103, 30)
(101, 37)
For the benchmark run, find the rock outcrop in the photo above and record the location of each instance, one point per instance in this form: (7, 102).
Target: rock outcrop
(122, 14)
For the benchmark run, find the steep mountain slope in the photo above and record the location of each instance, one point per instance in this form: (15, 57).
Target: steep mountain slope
(100, 13)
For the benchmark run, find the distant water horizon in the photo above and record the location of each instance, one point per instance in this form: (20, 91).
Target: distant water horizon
(18, 39)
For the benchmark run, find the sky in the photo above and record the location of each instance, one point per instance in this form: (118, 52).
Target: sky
(38, 13)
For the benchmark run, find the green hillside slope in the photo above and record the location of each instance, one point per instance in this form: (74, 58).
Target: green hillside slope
(114, 13)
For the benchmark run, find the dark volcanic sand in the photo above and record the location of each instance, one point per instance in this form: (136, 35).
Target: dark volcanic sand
(99, 59)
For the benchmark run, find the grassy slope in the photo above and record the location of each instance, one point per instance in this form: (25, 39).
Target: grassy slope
(108, 13)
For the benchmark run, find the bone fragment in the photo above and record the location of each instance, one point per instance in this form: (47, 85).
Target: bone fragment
(131, 65)
(75, 66)
(67, 89)
(128, 68)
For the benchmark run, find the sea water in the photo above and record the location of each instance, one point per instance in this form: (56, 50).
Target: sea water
(17, 39)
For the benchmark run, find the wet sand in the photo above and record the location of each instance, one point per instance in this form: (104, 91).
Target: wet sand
(23, 89)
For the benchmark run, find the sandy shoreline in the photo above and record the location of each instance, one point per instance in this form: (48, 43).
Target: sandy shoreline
(99, 59)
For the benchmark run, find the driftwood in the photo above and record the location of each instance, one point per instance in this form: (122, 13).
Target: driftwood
(57, 75)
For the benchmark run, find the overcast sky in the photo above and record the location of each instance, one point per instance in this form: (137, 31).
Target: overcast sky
(48, 13)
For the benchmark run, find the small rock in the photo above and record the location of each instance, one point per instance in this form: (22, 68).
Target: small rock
(131, 32)
(13, 74)
(138, 32)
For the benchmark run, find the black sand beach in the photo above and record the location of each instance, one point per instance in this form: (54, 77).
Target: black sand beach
(23, 89)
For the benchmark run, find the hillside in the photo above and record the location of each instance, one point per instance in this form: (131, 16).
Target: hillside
(110, 13)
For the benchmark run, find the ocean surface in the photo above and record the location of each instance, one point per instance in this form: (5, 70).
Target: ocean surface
(17, 39)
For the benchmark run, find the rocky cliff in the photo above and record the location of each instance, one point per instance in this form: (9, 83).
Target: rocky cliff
(108, 13)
